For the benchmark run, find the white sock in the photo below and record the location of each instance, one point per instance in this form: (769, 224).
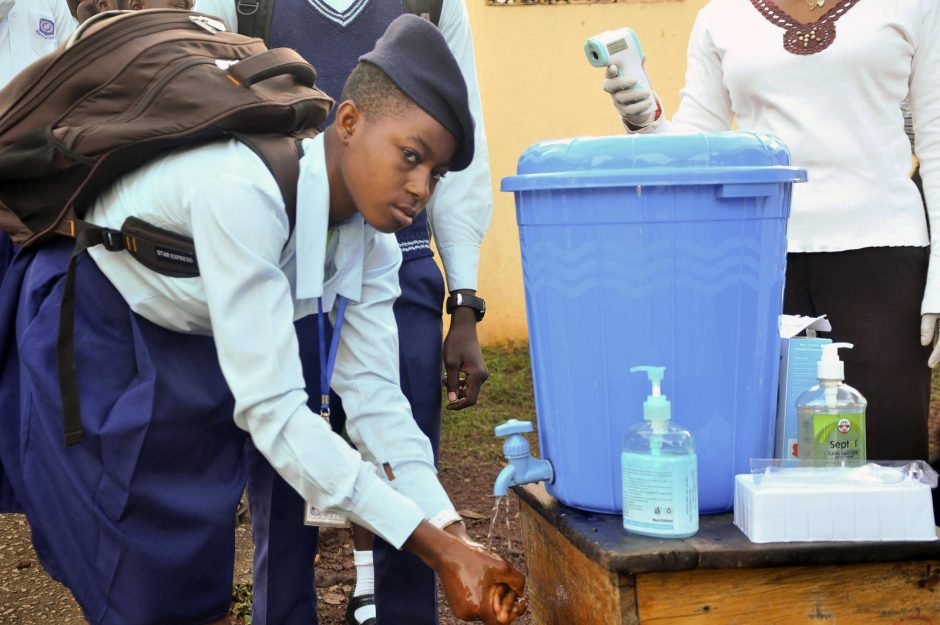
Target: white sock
(365, 583)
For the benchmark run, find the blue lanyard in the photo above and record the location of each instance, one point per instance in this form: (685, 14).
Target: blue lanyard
(327, 362)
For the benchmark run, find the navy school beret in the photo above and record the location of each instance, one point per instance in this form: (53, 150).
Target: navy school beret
(415, 56)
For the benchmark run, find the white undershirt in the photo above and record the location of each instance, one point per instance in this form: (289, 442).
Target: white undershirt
(839, 111)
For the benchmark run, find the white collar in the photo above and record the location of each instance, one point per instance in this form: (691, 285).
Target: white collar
(310, 231)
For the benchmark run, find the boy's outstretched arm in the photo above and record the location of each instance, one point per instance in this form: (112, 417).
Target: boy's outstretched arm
(478, 585)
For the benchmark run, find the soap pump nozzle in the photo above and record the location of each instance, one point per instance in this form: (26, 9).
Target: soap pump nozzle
(830, 366)
(656, 408)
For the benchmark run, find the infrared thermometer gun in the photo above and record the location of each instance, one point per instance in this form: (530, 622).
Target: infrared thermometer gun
(622, 48)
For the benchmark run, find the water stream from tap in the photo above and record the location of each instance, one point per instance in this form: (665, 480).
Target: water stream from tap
(508, 526)
(489, 536)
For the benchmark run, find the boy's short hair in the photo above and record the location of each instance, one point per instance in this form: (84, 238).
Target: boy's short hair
(374, 92)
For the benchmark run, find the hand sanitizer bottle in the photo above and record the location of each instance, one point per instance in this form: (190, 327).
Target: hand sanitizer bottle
(660, 470)
(831, 415)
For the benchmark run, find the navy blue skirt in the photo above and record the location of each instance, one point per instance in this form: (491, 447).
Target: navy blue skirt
(8, 502)
(138, 519)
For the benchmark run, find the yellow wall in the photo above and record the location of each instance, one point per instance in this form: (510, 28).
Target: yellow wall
(536, 84)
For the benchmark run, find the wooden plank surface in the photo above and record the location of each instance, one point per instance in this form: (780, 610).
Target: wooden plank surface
(894, 593)
(565, 587)
(718, 544)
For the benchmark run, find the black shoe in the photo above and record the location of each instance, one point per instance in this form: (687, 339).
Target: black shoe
(354, 604)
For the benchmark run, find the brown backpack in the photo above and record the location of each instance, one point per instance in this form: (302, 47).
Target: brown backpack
(126, 87)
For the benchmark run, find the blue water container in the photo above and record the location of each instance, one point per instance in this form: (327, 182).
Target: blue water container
(664, 250)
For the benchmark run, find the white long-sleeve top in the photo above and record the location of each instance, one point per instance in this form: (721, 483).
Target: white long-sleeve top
(462, 205)
(32, 29)
(839, 113)
(256, 278)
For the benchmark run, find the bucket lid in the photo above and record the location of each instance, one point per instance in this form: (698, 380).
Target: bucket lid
(654, 160)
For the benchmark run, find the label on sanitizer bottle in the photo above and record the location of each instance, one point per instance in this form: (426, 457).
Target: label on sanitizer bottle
(660, 494)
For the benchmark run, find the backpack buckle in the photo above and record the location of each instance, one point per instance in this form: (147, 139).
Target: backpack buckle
(113, 240)
(243, 7)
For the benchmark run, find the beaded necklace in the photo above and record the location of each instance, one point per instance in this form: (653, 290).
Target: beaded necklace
(804, 39)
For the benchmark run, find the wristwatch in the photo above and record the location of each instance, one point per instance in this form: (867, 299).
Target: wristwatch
(459, 299)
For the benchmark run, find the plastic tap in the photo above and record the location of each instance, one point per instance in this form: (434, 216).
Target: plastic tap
(523, 468)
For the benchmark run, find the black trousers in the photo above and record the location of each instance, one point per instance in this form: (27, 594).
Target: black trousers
(872, 296)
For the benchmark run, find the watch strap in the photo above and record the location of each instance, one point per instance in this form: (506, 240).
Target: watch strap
(457, 300)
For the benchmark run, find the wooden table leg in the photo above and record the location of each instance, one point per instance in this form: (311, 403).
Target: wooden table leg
(564, 587)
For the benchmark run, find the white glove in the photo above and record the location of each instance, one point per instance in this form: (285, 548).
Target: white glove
(928, 331)
(636, 105)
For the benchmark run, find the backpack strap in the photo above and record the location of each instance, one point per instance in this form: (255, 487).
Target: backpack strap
(163, 251)
(281, 155)
(428, 9)
(86, 235)
(254, 18)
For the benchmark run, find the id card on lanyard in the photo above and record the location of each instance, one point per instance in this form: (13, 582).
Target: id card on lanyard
(312, 514)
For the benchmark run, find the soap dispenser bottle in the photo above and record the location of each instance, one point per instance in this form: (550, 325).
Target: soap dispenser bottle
(660, 470)
(831, 415)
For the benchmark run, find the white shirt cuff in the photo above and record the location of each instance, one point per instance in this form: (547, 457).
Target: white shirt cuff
(445, 518)
(461, 263)
(387, 513)
(419, 482)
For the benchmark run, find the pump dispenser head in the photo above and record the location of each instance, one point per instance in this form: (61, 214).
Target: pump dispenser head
(656, 407)
(830, 367)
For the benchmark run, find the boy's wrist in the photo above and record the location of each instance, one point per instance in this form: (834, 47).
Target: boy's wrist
(428, 543)
(464, 304)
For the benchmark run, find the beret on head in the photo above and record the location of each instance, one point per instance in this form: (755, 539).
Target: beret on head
(414, 55)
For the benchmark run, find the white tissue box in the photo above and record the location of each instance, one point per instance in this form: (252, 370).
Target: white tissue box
(773, 512)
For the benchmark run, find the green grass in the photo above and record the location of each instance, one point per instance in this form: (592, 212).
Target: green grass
(506, 395)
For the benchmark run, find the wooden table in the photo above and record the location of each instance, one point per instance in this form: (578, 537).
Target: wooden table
(585, 570)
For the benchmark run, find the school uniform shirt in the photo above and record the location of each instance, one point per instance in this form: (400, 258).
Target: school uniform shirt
(462, 205)
(839, 113)
(257, 278)
(33, 28)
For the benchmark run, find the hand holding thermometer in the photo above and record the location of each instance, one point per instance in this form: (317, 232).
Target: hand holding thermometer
(621, 48)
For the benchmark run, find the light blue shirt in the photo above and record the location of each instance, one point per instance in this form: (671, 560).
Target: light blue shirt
(462, 205)
(256, 279)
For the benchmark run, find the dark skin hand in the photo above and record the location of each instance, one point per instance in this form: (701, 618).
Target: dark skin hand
(464, 368)
(477, 584)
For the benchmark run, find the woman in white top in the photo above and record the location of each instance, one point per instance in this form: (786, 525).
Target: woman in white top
(828, 77)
